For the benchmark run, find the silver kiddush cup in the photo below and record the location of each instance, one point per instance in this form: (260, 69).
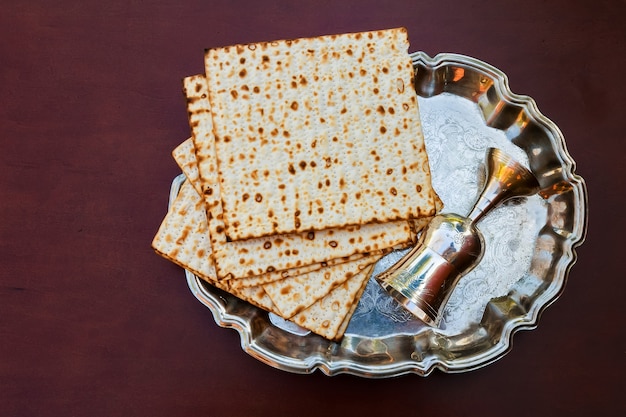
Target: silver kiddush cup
(451, 245)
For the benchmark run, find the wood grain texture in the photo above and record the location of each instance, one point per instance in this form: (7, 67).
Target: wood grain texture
(92, 322)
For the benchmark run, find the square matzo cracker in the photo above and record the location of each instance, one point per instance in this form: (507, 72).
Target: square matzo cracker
(317, 133)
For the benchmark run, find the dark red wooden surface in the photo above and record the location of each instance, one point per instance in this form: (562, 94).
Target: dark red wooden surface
(93, 323)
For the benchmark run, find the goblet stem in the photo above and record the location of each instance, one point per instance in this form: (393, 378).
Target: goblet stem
(505, 179)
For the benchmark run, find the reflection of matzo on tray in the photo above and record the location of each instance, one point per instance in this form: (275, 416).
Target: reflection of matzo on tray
(525, 265)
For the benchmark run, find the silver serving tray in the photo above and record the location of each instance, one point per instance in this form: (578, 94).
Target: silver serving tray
(466, 106)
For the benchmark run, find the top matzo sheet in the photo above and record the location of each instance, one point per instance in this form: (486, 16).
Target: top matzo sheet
(317, 133)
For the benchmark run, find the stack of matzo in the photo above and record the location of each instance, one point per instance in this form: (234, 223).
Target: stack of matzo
(306, 165)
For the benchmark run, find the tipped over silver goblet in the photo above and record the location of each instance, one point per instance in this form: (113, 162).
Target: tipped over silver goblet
(451, 245)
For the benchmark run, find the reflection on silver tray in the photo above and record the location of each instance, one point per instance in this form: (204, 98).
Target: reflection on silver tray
(466, 107)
